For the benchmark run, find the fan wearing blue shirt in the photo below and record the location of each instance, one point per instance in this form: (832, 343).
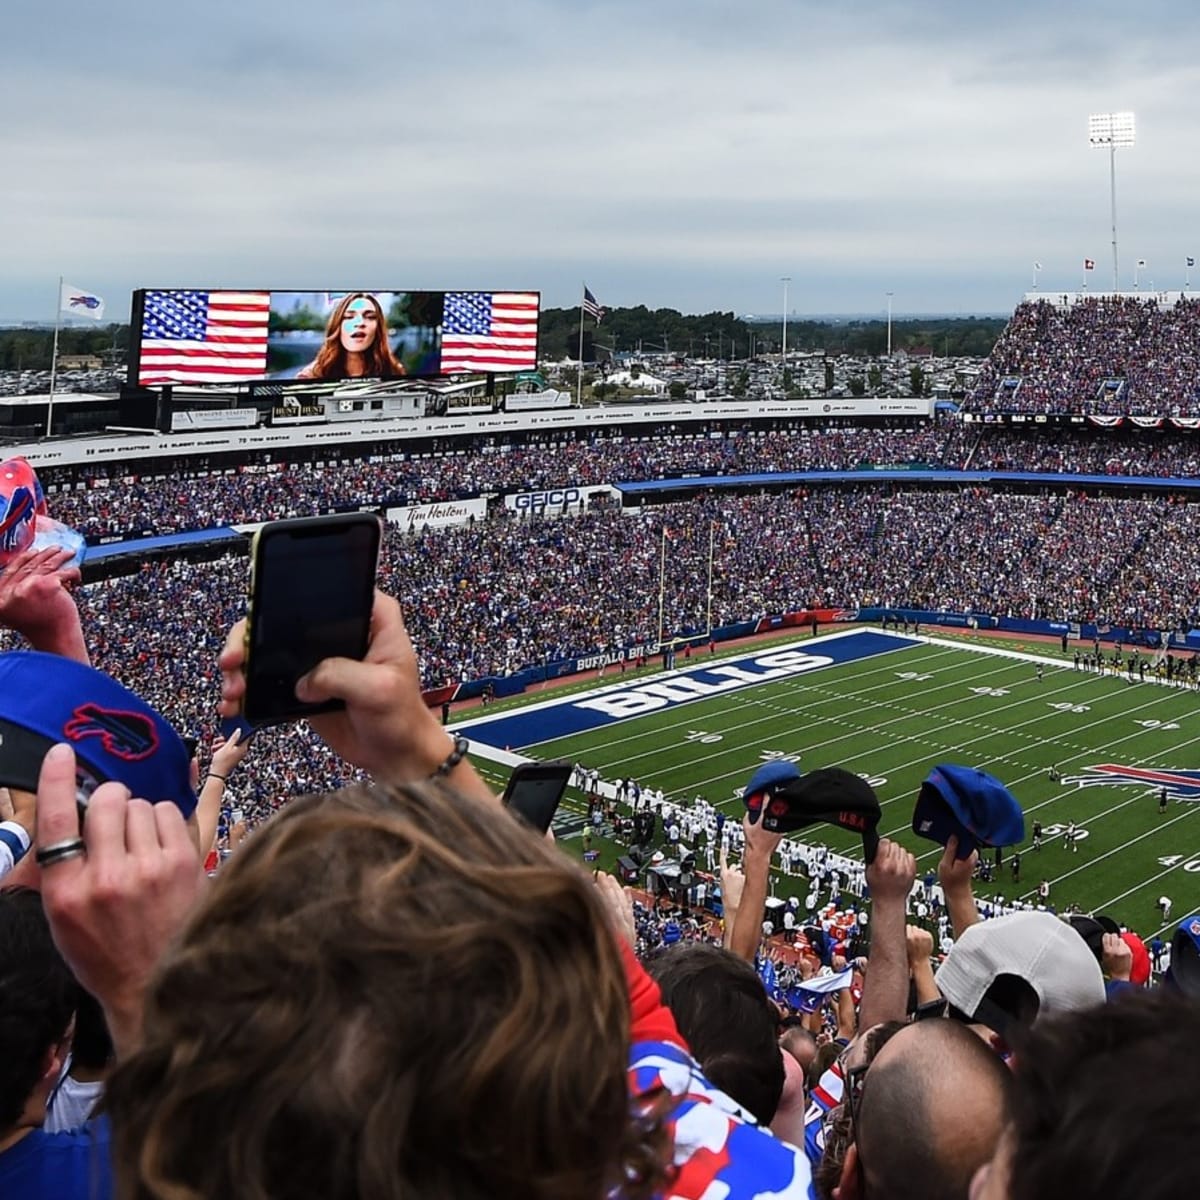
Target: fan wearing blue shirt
(38, 995)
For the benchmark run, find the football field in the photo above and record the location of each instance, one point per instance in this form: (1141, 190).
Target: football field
(890, 708)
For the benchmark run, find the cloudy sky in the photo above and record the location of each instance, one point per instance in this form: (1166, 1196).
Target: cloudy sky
(682, 153)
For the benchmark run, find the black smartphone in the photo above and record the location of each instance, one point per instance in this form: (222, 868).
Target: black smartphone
(312, 587)
(231, 725)
(535, 790)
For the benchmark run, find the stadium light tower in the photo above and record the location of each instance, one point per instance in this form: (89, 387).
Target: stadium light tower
(785, 280)
(1112, 132)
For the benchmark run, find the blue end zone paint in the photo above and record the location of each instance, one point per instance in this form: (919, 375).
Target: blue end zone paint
(618, 702)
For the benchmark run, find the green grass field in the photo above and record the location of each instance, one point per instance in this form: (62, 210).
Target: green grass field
(893, 716)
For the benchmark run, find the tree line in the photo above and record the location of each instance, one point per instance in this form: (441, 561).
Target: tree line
(723, 334)
(653, 331)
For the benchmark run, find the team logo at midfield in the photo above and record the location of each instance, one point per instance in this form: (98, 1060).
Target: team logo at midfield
(1180, 785)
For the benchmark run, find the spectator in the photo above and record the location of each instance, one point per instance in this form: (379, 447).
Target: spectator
(38, 996)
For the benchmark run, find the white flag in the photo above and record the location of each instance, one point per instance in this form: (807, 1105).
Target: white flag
(79, 303)
(1037, 266)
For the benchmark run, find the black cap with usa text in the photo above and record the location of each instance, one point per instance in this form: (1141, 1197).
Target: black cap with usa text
(785, 801)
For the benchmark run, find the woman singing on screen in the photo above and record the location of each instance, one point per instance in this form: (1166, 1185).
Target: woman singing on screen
(356, 343)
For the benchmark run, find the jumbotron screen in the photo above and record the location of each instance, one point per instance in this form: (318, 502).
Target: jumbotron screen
(191, 336)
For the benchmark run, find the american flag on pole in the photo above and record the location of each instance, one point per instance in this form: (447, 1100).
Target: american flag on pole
(489, 331)
(203, 337)
(591, 305)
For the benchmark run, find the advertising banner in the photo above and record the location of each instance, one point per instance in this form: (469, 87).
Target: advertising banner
(451, 512)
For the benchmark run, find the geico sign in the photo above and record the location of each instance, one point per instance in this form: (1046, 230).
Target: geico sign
(559, 498)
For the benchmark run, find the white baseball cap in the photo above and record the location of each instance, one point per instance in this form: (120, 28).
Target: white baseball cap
(1034, 946)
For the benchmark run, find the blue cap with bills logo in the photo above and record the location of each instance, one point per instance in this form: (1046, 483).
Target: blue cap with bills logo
(45, 699)
(971, 804)
(1184, 971)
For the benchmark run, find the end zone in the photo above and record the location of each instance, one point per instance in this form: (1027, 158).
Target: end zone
(608, 704)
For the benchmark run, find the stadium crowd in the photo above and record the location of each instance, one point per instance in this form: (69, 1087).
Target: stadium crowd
(1105, 355)
(496, 596)
(393, 988)
(378, 966)
(116, 499)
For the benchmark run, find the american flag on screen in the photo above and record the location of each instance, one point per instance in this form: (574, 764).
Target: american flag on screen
(489, 331)
(203, 337)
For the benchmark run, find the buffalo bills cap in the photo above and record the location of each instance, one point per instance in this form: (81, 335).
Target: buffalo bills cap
(784, 800)
(24, 523)
(1184, 971)
(970, 803)
(46, 699)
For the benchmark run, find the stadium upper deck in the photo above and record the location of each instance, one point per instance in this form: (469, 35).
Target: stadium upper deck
(1108, 355)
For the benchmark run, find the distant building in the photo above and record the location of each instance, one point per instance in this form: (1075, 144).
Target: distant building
(80, 362)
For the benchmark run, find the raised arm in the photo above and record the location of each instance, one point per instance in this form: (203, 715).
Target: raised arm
(955, 876)
(756, 866)
(386, 727)
(885, 989)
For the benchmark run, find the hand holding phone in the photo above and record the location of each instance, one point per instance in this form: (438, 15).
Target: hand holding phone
(385, 726)
(312, 585)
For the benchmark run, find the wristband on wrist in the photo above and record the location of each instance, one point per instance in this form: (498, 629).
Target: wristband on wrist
(461, 746)
(214, 775)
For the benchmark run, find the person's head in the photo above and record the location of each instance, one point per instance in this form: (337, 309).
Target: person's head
(722, 1010)
(800, 1044)
(925, 1116)
(38, 994)
(356, 326)
(1094, 1090)
(388, 992)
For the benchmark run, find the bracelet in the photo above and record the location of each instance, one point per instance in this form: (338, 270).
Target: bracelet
(461, 746)
(214, 775)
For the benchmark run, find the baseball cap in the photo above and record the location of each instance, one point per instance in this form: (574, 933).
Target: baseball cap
(1184, 971)
(115, 734)
(1091, 931)
(1139, 969)
(1051, 958)
(969, 803)
(784, 800)
(24, 521)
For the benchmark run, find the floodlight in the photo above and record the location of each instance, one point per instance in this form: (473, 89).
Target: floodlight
(1112, 132)
(1111, 129)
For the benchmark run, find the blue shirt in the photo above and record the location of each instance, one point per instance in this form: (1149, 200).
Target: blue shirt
(59, 1166)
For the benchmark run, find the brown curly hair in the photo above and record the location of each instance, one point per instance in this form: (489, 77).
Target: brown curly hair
(390, 992)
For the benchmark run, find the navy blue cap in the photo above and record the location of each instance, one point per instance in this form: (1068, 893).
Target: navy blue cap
(1184, 971)
(784, 800)
(970, 803)
(46, 699)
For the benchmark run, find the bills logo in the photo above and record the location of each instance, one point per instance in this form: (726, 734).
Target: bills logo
(1180, 785)
(22, 509)
(91, 302)
(129, 736)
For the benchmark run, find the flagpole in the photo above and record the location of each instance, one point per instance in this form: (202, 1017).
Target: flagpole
(1187, 275)
(54, 357)
(579, 376)
(662, 585)
(1035, 276)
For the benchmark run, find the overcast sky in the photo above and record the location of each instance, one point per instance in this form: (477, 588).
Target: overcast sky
(677, 153)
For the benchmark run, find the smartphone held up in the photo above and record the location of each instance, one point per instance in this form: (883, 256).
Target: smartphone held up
(535, 790)
(312, 588)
